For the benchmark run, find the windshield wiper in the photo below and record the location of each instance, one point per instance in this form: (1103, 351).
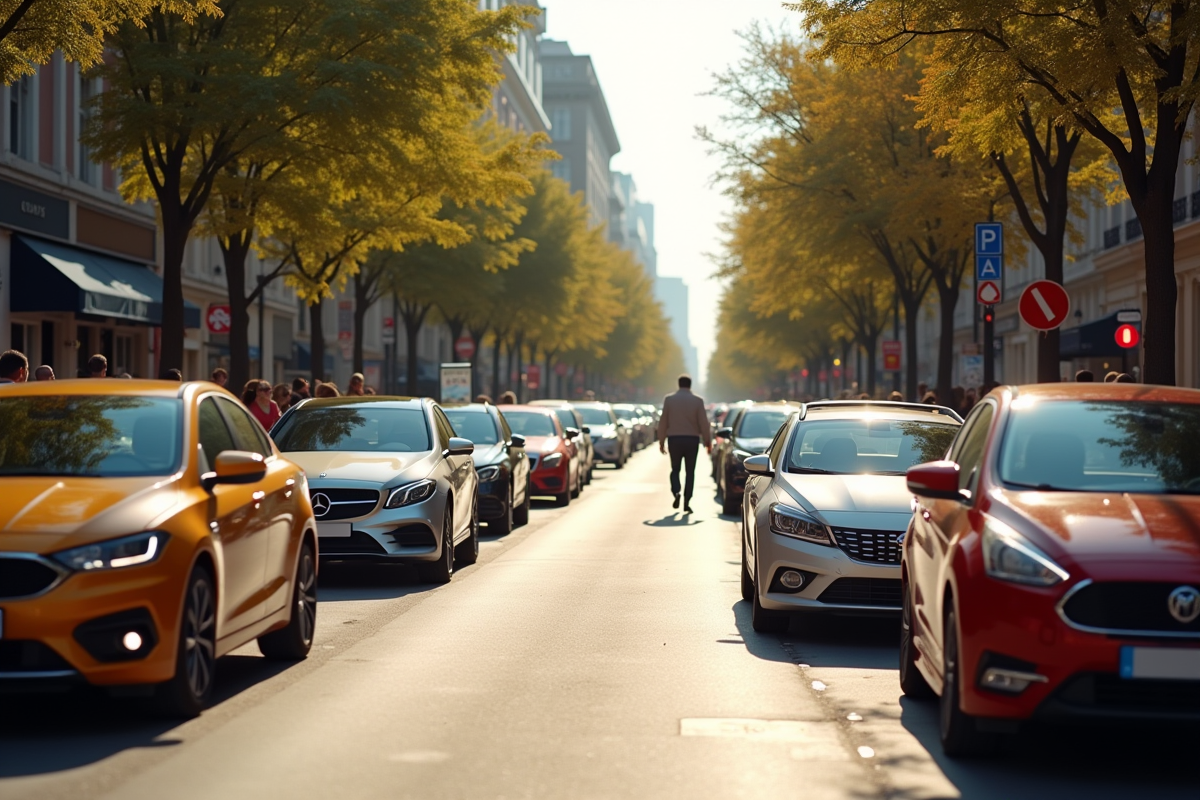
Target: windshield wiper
(813, 471)
(1042, 487)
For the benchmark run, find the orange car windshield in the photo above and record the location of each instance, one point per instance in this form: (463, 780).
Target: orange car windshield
(1103, 446)
(90, 436)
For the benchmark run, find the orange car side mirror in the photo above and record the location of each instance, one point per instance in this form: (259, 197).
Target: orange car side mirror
(235, 466)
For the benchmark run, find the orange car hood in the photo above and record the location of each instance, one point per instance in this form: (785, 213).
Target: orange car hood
(40, 514)
(1114, 529)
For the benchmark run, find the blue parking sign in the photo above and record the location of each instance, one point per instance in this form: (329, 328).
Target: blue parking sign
(988, 268)
(989, 239)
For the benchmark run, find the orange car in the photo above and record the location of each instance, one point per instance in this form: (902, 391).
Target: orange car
(146, 529)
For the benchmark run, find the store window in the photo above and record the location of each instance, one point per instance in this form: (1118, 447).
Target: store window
(20, 117)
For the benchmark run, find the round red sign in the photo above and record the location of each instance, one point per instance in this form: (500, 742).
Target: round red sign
(561, 369)
(464, 347)
(219, 318)
(1128, 336)
(1044, 305)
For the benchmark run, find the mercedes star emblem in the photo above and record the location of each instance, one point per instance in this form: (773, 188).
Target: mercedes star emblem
(1184, 604)
(320, 504)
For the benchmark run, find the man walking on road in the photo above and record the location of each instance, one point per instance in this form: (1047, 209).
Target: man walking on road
(682, 425)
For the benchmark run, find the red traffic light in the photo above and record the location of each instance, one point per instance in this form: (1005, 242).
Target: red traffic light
(804, 372)
(1128, 336)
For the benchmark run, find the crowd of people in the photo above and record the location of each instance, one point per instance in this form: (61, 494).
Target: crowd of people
(267, 403)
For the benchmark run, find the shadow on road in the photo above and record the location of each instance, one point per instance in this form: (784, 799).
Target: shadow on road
(42, 733)
(673, 520)
(761, 645)
(853, 642)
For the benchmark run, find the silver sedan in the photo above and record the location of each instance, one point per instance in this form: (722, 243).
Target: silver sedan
(389, 481)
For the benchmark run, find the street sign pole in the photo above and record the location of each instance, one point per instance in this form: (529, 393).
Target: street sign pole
(989, 345)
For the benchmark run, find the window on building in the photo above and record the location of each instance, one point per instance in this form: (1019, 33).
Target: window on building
(561, 170)
(20, 117)
(560, 124)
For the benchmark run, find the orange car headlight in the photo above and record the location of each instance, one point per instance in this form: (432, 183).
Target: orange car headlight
(128, 551)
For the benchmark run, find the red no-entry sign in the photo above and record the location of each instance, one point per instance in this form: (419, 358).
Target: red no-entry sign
(1044, 305)
(1127, 336)
(464, 347)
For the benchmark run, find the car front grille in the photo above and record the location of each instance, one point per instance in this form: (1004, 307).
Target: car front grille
(25, 577)
(869, 547)
(344, 503)
(1134, 607)
(18, 655)
(357, 543)
(1107, 691)
(414, 536)
(862, 592)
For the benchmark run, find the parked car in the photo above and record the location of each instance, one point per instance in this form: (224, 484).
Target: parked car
(826, 506)
(1052, 566)
(500, 464)
(389, 481)
(149, 528)
(722, 436)
(749, 435)
(553, 453)
(632, 420)
(610, 440)
(571, 418)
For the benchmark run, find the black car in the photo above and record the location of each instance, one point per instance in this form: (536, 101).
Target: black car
(501, 463)
(748, 436)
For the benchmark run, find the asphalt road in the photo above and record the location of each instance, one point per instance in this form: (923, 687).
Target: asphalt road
(601, 651)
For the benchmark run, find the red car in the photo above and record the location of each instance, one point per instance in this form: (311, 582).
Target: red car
(1052, 567)
(553, 453)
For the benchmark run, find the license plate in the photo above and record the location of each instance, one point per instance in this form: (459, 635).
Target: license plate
(1161, 663)
(333, 530)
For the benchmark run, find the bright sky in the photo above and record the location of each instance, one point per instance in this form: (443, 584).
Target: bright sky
(654, 59)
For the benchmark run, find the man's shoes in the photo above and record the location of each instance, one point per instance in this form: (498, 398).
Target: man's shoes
(675, 502)
(687, 505)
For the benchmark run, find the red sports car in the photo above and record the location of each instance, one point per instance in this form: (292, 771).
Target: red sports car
(1052, 566)
(553, 453)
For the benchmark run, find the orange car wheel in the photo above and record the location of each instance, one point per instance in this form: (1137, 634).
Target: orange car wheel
(186, 694)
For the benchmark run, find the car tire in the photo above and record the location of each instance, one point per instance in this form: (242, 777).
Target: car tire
(619, 463)
(563, 500)
(292, 643)
(957, 730)
(912, 682)
(729, 504)
(764, 620)
(187, 693)
(442, 570)
(521, 512)
(467, 553)
(747, 581)
(505, 524)
(578, 488)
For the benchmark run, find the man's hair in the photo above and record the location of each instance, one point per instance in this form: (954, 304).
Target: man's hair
(1085, 376)
(43, 373)
(97, 363)
(358, 376)
(220, 372)
(12, 362)
(685, 381)
(1111, 377)
(298, 384)
(172, 374)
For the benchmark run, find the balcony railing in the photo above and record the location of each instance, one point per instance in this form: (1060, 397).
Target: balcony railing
(1112, 237)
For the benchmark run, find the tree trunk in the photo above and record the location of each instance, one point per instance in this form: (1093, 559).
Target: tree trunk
(910, 349)
(870, 345)
(497, 345)
(362, 304)
(947, 300)
(1048, 346)
(176, 230)
(477, 335)
(234, 251)
(414, 320)
(1162, 293)
(316, 342)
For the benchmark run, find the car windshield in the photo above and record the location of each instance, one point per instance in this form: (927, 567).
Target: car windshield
(91, 436)
(761, 424)
(530, 423)
(1103, 446)
(566, 418)
(478, 426)
(623, 413)
(867, 446)
(594, 416)
(354, 428)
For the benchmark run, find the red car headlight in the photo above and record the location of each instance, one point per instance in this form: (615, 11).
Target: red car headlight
(1009, 556)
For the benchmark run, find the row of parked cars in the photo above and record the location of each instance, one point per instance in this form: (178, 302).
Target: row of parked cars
(1043, 555)
(148, 528)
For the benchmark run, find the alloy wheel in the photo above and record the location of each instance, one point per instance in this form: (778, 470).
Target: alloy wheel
(306, 596)
(199, 638)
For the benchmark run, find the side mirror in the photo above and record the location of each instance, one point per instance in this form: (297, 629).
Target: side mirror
(937, 480)
(517, 440)
(235, 467)
(572, 433)
(586, 429)
(460, 447)
(759, 465)
(725, 433)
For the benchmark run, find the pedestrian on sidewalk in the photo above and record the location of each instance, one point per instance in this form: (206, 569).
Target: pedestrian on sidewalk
(680, 429)
(14, 367)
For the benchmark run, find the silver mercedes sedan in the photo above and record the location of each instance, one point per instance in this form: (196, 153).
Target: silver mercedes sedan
(389, 481)
(826, 505)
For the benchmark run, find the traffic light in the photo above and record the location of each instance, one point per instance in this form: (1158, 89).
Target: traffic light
(989, 316)
(804, 372)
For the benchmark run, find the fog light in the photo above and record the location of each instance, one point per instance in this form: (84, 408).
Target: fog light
(1009, 681)
(132, 641)
(792, 579)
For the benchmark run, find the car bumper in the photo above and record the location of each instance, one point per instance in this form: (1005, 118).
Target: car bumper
(493, 499)
(72, 633)
(550, 481)
(406, 534)
(833, 583)
(606, 450)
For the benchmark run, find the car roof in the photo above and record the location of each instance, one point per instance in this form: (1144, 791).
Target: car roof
(373, 399)
(103, 386)
(864, 409)
(1145, 392)
(474, 408)
(544, 410)
(549, 403)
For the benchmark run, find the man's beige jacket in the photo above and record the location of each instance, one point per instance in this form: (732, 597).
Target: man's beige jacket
(683, 415)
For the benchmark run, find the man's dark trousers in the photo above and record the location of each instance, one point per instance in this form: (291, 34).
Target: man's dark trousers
(683, 449)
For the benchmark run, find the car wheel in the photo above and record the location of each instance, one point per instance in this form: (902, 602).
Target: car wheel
(504, 525)
(467, 553)
(619, 463)
(293, 642)
(957, 729)
(765, 621)
(564, 499)
(578, 488)
(442, 570)
(190, 690)
(912, 682)
(521, 512)
(747, 581)
(730, 504)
